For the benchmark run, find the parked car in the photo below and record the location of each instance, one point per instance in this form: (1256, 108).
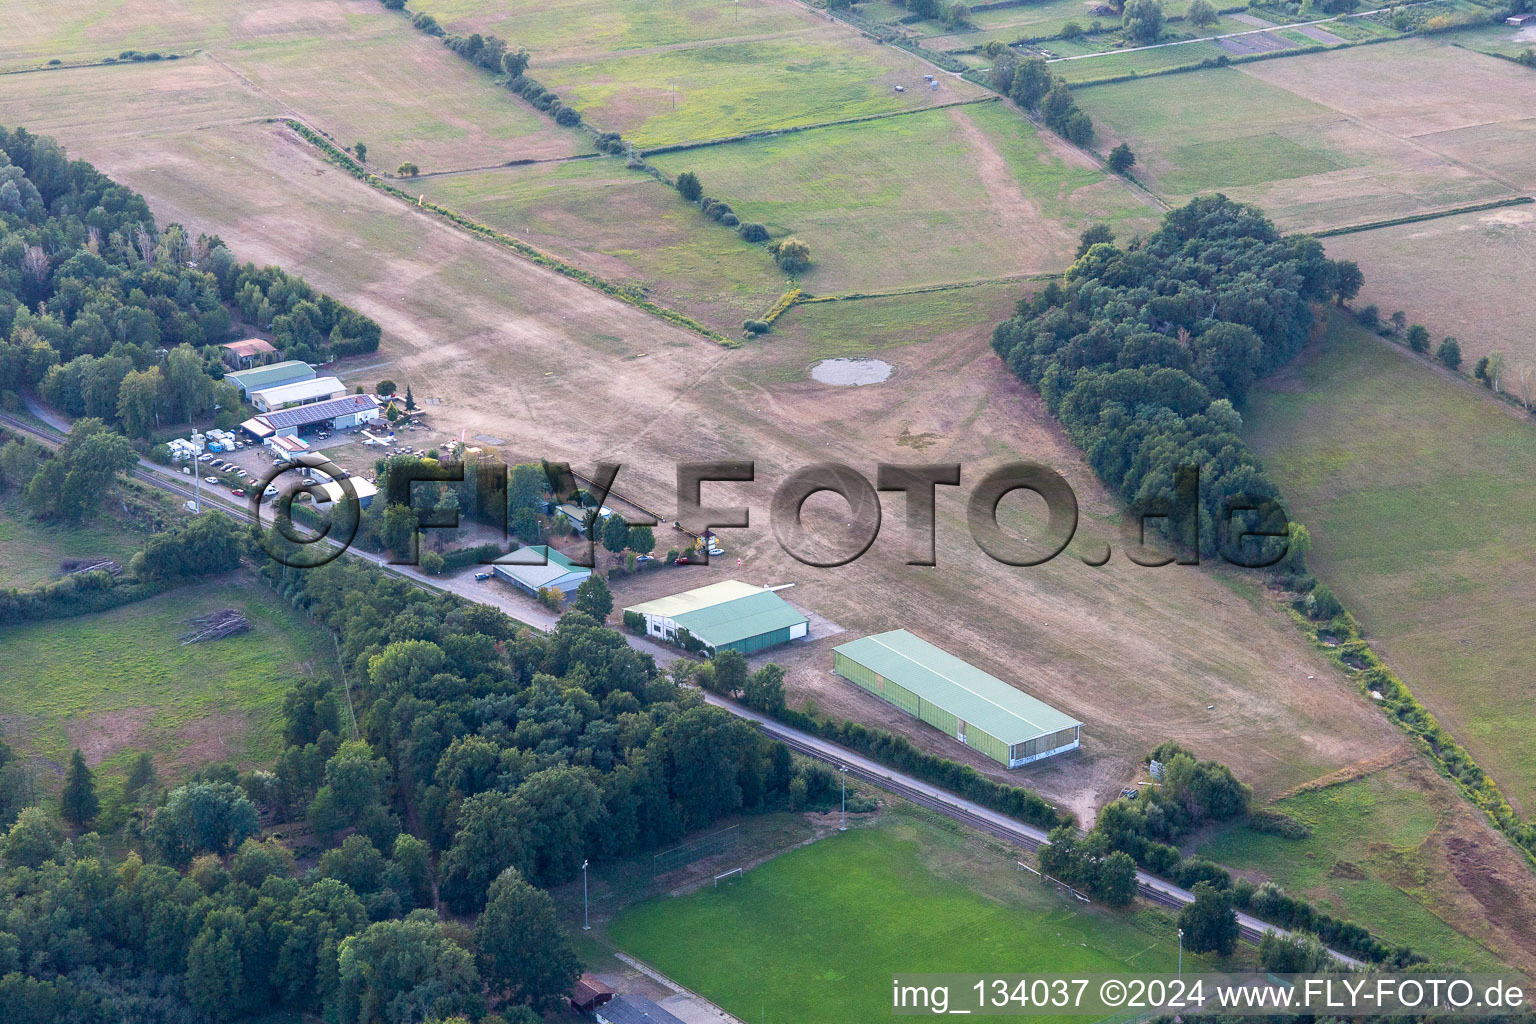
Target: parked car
(211, 479)
(641, 559)
(682, 560)
(270, 492)
(238, 492)
(481, 577)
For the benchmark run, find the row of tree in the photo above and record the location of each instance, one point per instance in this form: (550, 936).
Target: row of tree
(1029, 82)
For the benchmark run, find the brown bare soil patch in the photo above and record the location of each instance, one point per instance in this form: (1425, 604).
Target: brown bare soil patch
(211, 738)
(101, 734)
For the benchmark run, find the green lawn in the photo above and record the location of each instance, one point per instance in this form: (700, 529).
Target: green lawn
(1027, 21)
(962, 194)
(625, 225)
(1499, 39)
(1417, 493)
(596, 26)
(701, 93)
(1114, 64)
(816, 934)
(30, 550)
(120, 682)
(1363, 862)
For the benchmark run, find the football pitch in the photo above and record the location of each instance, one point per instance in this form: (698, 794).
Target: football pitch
(816, 934)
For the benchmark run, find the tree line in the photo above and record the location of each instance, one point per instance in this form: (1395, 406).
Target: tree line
(106, 315)
(1029, 82)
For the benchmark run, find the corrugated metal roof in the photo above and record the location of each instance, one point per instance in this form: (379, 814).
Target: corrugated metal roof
(297, 390)
(271, 376)
(693, 600)
(958, 687)
(300, 415)
(723, 613)
(540, 575)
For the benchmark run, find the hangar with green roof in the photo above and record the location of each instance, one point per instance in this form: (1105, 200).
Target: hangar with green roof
(975, 707)
(727, 616)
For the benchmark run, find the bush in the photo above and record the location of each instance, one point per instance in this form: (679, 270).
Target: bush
(634, 622)
(689, 186)
(1449, 353)
(1321, 604)
(1418, 338)
(1274, 823)
(753, 232)
(432, 563)
(792, 255)
(756, 326)
(407, 170)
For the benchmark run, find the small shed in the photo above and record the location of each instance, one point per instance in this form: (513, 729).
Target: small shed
(588, 994)
(242, 355)
(1518, 20)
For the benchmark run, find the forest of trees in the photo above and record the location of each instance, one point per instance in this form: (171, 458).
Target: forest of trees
(472, 764)
(1146, 353)
(108, 316)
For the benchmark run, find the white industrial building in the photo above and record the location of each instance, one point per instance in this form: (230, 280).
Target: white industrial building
(300, 392)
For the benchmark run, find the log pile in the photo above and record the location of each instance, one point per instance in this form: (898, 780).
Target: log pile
(75, 566)
(216, 626)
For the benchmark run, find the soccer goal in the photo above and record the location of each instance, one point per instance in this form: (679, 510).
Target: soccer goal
(727, 875)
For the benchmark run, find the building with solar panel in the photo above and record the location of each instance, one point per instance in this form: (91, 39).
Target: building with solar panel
(954, 696)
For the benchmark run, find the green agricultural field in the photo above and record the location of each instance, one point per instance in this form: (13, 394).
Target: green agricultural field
(1113, 64)
(30, 551)
(664, 97)
(1309, 164)
(1415, 489)
(1472, 110)
(1027, 21)
(1452, 275)
(78, 30)
(815, 934)
(962, 194)
(1500, 39)
(1369, 838)
(627, 226)
(601, 26)
(121, 682)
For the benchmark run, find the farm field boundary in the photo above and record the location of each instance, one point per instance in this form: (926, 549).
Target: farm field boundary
(769, 133)
(1416, 218)
(534, 255)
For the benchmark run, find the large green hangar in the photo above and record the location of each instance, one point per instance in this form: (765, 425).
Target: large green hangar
(727, 616)
(976, 708)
